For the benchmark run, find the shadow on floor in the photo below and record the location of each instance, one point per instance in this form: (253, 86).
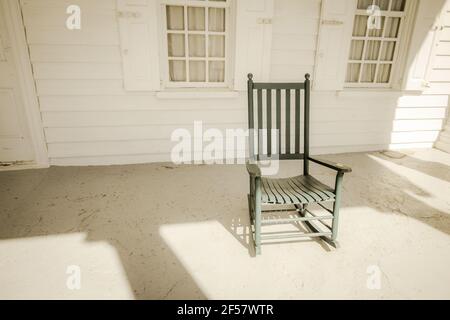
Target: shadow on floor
(127, 205)
(431, 168)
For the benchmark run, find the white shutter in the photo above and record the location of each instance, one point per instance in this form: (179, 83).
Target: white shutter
(333, 45)
(253, 41)
(425, 37)
(138, 37)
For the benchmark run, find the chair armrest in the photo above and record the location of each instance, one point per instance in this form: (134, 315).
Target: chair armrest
(332, 165)
(253, 169)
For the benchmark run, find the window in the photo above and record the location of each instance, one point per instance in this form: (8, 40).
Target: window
(378, 39)
(196, 39)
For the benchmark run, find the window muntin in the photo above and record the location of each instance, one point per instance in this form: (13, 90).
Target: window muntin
(374, 52)
(197, 38)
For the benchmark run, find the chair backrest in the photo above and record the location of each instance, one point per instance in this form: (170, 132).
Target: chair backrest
(262, 148)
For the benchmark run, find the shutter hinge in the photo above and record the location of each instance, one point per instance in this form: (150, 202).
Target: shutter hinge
(128, 14)
(264, 21)
(332, 22)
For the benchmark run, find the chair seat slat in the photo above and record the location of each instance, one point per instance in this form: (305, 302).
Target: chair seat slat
(296, 190)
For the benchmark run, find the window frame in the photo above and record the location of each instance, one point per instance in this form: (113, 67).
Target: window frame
(402, 43)
(229, 44)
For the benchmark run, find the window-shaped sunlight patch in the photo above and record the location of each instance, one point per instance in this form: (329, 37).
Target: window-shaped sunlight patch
(206, 250)
(66, 266)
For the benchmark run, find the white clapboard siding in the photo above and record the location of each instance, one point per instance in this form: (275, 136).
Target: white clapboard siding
(443, 48)
(92, 5)
(68, 71)
(144, 117)
(79, 87)
(62, 36)
(414, 125)
(414, 137)
(90, 119)
(66, 53)
(134, 102)
(127, 133)
(423, 101)
(440, 75)
(442, 61)
(446, 34)
(420, 113)
(57, 16)
(438, 88)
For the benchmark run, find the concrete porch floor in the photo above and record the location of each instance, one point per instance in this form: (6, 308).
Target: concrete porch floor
(160, 231)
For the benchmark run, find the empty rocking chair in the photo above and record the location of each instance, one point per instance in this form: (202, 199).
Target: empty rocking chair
(295, 193)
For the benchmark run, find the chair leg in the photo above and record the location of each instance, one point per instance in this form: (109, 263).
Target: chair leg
(257, 215)
(336, 206)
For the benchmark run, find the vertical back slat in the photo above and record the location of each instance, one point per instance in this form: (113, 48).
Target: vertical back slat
(269, 122)
(288, 121)
(306, 125)
(260, 122)
(297, 121)
(279, 119)
(251, 124)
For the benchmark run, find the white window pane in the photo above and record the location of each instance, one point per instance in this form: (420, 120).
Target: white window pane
(360, 26)
(364, 4)
(177, 70)
(175, 18)
(382, 4)
(384, 73)
(392, 27)
(216, 19)
(368, 72)
(353, 72)
(387, 51)
(196, 18)
(216, 71)
(217, 46)
(197, 46)
(378, 27)
(372, 50)
(356, 50)
(398, 5)
(197, 70)
(176, 45)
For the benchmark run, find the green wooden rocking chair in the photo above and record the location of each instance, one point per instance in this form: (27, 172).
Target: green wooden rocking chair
(295, 193)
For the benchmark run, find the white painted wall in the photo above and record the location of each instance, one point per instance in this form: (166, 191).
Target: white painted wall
(90, 119)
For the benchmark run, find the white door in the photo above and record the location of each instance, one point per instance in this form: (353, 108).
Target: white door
(15, 143)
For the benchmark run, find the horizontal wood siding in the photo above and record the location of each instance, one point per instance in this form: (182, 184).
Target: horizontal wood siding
(90, 119)
(441, 74)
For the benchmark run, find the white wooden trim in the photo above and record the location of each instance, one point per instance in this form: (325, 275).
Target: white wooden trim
(197, 94)
(14, 24)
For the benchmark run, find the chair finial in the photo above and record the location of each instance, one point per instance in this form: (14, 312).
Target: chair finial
(307, 76)
(250, 76)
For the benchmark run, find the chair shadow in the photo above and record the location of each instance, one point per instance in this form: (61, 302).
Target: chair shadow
(434, 169)
(375, 186)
